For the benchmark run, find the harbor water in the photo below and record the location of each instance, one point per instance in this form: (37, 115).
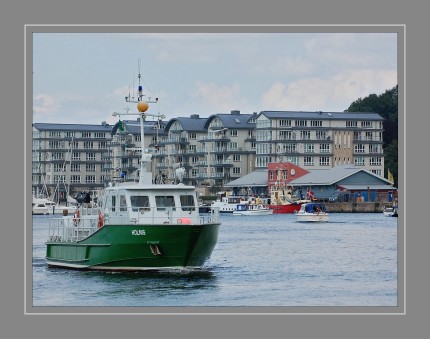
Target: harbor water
(268, 260)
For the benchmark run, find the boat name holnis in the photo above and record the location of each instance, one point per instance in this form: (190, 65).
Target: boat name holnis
(138, 232)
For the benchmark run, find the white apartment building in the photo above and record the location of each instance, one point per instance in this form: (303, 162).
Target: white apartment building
(316, 140)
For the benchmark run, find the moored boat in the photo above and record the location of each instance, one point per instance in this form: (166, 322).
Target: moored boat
(390, 211)
(282, 199)
(136, 226)
(228, 204)
(312, 212)
(252, 209)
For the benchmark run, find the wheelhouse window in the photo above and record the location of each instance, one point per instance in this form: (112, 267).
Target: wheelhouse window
(139, 202)
(163, 201)
(187, 202)
(122, 203)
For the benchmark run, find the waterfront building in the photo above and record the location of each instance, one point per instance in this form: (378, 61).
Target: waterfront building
(216, 152)
(315, 140)
(69, 158)
(229, 148)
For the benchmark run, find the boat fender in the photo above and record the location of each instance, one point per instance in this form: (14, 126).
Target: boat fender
(76, 217)
(101, 220)
(142, 211)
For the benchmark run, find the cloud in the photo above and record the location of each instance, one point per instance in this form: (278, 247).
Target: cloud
(335, 93)
(219, 99)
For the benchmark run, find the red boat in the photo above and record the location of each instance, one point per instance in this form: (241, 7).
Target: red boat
(282, 209)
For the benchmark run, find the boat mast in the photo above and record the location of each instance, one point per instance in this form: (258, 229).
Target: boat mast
(145, 175)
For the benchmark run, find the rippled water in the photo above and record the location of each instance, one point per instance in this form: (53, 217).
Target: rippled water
(258, 261)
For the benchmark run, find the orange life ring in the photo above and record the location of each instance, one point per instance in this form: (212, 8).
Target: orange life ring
(76, 217)
(101, 220)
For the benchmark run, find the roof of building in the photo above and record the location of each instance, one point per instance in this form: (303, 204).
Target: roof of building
(256, 178)
(315, 178)
(73, 127)
(233, 120)
(331, 176)
(319, 115)
(192, 124)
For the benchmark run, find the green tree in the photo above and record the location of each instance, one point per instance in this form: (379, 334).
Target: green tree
(386, 105)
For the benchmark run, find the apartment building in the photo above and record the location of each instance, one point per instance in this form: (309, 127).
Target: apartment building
(317, 140)
(69, 157)
(214, 151)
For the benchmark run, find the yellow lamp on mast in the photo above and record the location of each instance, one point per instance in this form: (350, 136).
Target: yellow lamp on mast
(142, 106)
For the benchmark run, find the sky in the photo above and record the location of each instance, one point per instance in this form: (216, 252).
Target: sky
(84, 77)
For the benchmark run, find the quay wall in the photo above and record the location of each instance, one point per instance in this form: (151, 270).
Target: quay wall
(355, 207)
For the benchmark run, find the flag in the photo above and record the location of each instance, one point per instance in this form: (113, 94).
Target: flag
(310, 194)
(119, 125)
(390, 177)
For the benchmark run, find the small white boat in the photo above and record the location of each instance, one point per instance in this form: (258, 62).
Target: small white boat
(252, 209)
(390, 211)
(40, 208)
(46, 206)
(312, 212)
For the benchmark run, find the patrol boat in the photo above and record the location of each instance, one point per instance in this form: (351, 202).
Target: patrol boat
(136, 226)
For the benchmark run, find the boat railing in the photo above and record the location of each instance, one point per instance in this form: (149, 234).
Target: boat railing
(70, 229)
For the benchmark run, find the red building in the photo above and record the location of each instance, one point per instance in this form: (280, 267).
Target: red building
(281, 173)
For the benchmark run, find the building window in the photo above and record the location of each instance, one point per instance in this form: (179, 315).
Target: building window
(192, 135)
(236, 170)
(59, 167)
(308, 148)
(233, 146)
(90, 167)
(57, 156)
(54, 134)
(324, 161)
(56, 144)
(289, 148)
(102, 144)
(366, 124)
(90, 179)
(308, 161)
(194, 160)
(233, 132)
(75, 179)
(324, 148)
(194, 172)
(375, 161)
(284, 123)
(316, 123)
(301, 123)
(351, 124)
(75, 167)
(321, 135)
(59, 179)
(91, 156)
(377, 172)
(359, 148)
(286, 135)
(86, 134)
(88, 144)
(99, 135)
(76, 156)
(270, 175)
(69, 134)
(305, 135)
(236, 157)
(359, 161)
(374, 148)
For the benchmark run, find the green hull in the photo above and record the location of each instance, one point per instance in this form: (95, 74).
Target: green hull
(137, 247)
